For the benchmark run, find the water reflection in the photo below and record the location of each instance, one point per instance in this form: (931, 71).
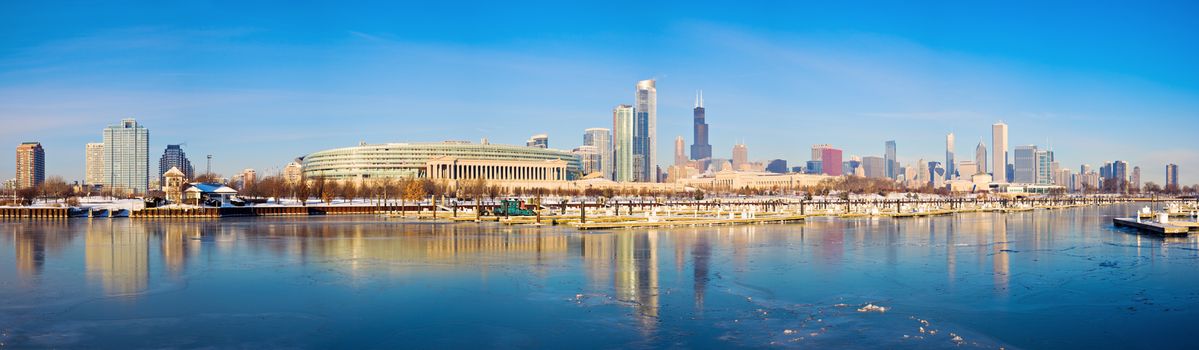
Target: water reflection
(117, 256)
(739, 278)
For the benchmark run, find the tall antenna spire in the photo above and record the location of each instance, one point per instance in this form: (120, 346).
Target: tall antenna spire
(697, 99)
(701, 98)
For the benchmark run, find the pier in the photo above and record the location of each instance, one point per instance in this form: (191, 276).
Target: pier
(1155, 227)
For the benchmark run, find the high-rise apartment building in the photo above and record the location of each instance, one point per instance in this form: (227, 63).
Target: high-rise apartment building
(590, 157)
(1134, 181)
(701, 149)
(622, 144)
(127, 157)
(891, 162)
(999, 156)
(740, 157)
(980, 158)
(1171, 176)
(830, 160)
(601, 139)
(645, 130)
(174, 157)
(31, 165)
(93, 166)
(950, 162)
(293, 172)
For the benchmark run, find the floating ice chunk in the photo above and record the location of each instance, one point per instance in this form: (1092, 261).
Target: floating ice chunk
(872, 308)
(788, 331)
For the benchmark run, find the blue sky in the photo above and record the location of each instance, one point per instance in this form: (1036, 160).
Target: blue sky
(259, 84)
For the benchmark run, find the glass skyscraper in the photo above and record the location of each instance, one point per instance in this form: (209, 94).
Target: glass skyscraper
(892, 164)
(1025, 164)
(173, 156)
(645, 131)
(126, 158)
(623, 146)
(701, 149)
(601, 139)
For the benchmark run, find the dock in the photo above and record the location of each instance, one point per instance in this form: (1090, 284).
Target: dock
(688, 222)
(1153, 227)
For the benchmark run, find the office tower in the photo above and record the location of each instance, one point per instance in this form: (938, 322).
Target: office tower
(1084, 169)
(818, 151)
(813, 167)
(830, 160)
(891, 162)
(93, 166)
(601, 139)
(1044, 167)
(1120, 173)
(1062, 177)
(1105, 171)
(966, 169)
(622, 144)
(874, 167)
(950, 169)
(740, 156)
(174, 157)
(539, 141)
(1025, 162)
(680, 154)
(645, 130)
(31, 165)
(1171, 176)
(590, 156)
(700, 149)
(980, 159)
(999, 156)
(1135, 180)
(127, 157)
(777, 166)
(936, 174)
(852, 166)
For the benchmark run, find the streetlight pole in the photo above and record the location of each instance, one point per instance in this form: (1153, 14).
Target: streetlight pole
(208, 169)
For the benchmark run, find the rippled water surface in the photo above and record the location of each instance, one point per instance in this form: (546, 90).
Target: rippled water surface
(1044, 279)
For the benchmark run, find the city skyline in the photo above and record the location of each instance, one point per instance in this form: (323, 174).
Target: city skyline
(171, 80)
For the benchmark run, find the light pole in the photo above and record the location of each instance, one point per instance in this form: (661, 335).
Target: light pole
(208, 169)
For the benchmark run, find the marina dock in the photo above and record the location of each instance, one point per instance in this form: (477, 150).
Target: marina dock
(1155, 227)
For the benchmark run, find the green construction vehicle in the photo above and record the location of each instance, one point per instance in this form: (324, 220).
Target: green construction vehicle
(513, 207)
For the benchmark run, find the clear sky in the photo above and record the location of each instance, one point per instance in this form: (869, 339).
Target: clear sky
(256, 85)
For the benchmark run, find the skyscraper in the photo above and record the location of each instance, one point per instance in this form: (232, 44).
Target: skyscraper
(31, 165)
(830, 160)
(740, 157)
(539, 141)
(622, 142)
(1135, 180)
(126, 157)
(1025, 163)
(1171, 176)
(590, 157)
(1045, 167)
(950, 169)
(980, 159)
(999, 156)
(601, 139)
(173, 156)
(700, 149)
(1120, 174)
(93, 173)
(645, 130)
(875, 167)
(818, 151)
(680, 153)
(891, 162)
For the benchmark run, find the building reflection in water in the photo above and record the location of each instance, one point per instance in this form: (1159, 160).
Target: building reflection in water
(701, 254)
(999, 255)
(117, 256)
(32, 245)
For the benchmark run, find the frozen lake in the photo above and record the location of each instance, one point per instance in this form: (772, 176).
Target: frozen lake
(1043, 279)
